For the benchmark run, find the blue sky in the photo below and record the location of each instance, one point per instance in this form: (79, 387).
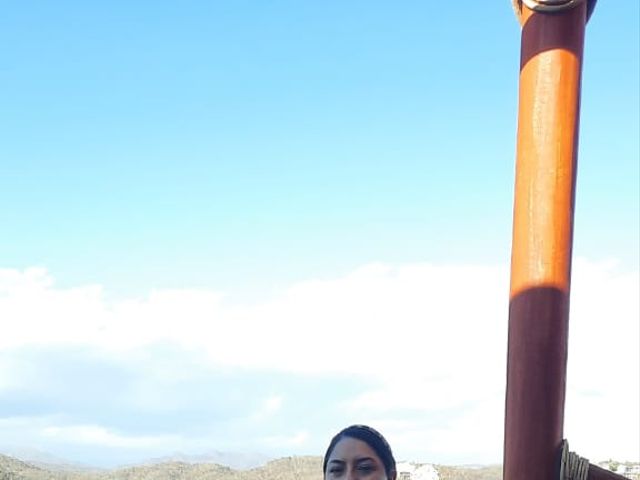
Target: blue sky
(175, 178)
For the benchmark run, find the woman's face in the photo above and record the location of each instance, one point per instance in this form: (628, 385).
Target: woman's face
(353, 459)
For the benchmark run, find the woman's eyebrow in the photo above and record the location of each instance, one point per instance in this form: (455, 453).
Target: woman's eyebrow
(337, 461)
(365, 459)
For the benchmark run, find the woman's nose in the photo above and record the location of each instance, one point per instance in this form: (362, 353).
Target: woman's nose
(351, 474)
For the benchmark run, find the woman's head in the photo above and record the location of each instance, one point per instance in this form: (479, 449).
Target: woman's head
(359, 451)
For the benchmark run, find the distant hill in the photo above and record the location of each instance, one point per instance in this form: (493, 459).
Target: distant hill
(46, 461)
(234, 460)
(290, 468)
(493, 472)
(14, 469)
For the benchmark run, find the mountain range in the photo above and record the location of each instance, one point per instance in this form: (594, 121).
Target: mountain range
(290, 468)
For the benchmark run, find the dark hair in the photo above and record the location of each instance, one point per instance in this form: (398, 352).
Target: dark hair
(371, 437)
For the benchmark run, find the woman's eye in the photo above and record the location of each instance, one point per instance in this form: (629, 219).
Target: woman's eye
(366, 468)
(335, 471)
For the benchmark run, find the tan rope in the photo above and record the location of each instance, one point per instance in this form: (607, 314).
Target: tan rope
(572, 466)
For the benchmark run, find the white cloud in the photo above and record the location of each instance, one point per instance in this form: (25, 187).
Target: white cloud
(100, 436)
(271, 405)
(347, 324)
(40, 430)
(432, 338)
(603, 378)
(286, 441)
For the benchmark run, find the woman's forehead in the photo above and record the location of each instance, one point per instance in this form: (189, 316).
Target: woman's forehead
(349, 448)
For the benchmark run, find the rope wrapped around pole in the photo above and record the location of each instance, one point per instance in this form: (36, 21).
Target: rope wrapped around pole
(572, 466)
(575, 467)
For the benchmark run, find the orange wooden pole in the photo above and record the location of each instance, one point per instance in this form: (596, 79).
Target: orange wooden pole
(547, 141)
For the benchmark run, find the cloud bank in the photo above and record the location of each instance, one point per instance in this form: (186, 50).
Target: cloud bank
(418, 350)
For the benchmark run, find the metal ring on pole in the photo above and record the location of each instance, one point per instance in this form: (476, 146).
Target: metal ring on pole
(551, 6)
(572, 466)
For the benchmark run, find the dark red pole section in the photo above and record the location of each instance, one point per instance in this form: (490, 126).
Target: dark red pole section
(549, 100)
